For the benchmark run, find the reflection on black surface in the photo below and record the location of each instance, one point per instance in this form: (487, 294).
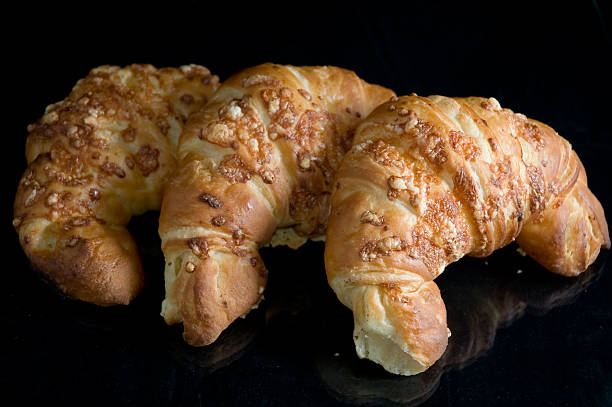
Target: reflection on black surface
(479, 301)
(232, 343)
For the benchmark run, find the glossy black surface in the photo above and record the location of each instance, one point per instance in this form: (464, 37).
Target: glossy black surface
(519, 338)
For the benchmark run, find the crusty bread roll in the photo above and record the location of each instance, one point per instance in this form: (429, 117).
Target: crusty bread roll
(429, 180)
(95, 159)
(258, 159)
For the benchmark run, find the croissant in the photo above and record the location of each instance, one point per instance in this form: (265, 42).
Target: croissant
(478, 305)
(255, 167)
(95, 159)
(429, 180)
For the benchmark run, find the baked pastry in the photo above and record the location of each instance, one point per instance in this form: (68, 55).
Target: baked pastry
(429, 180)
(255, 167)
(95, 159)
(479, 302)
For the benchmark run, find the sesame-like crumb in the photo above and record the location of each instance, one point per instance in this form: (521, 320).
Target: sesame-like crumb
(397, 183)
(52, 199)
(372, 218)
(238, 236)
(305, 94)
(211, 200)
(198, 246)
(305, 163)
(31, 197)
(267, 176)
(218, 220)
(72, 242)
(94, 194)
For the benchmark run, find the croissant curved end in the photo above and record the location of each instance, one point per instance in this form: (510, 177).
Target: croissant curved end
(403, 329)
(201, 294)
(382, 349)
(97, 264)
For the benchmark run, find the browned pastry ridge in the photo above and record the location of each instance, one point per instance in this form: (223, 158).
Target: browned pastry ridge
(429, 180)
(95, 159)
(256, 166)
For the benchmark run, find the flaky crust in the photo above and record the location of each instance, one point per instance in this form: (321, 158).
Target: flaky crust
(95, 159)
(429, 180)
(260, 157)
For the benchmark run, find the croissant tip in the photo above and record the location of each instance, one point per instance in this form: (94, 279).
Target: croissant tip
(199, 339)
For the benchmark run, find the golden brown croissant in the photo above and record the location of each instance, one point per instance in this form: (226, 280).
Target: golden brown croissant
(429, 180)
(95, 159)
(258, 159)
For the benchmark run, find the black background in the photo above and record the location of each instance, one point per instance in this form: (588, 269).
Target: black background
(528, 338)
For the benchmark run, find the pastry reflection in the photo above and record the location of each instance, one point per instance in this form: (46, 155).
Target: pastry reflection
(234, 342)
(479, 301)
